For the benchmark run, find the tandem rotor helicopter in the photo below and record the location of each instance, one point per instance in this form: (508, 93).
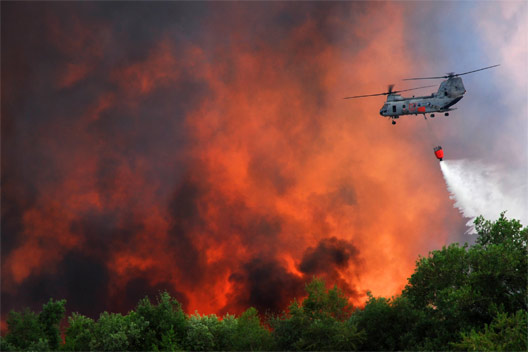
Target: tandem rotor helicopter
(449, 93)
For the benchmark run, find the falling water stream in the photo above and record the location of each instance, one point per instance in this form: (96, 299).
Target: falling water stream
(480, 189)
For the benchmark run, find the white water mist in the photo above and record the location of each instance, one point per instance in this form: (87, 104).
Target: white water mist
(480, 189)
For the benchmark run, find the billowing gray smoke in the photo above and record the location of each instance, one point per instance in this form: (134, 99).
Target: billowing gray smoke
(480, 189)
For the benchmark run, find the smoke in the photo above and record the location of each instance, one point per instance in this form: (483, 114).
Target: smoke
(205, 149)
(487, 190)
(264, 284)
(329, 260)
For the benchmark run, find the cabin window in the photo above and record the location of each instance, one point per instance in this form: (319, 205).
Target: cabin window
(404, 106)
(445, 93)
(394, 108)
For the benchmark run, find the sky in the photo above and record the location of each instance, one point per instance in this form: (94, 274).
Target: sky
(205, 148)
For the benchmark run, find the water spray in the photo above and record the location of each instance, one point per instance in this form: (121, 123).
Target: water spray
(480, 189)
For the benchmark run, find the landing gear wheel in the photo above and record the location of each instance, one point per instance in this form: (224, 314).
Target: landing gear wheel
(446, 114)
(393, 122)
(432, 115)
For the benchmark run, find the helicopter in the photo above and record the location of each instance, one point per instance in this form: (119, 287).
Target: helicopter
(450, 92)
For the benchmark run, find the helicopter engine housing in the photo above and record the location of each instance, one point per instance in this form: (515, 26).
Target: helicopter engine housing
(452, 88)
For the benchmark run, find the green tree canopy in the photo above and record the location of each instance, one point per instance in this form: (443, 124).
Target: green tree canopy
(319, 322)
(507, 332)
(31, 331)
(166, 321)
(461, 288)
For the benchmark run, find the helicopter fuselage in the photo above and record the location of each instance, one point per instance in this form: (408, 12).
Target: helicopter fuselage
(450, 92)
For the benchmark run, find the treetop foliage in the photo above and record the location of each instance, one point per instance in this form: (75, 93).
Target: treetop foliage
(458, 298)
(502, 231)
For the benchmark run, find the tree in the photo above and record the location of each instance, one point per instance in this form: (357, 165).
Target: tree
(507, 332)
(23, 330)
(322, 303)
(166, 321)
(501, 231)
(115, 332)
(31, 331)
(500, 263)
(224, 333)
(199, 333)
(207, 332)
(460, 288)
(320, 322)
(79, 334)
(249, 334)
(168, 342)
(388, 324)
(50, 318)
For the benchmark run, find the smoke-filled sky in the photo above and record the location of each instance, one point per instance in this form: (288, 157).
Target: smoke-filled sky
(205, 148)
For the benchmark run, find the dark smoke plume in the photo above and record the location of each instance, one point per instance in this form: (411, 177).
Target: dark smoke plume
(265, 285)
(329, 260)
(204, 149)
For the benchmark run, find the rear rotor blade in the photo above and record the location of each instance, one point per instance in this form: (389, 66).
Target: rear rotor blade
(452, 74)
(480, 69)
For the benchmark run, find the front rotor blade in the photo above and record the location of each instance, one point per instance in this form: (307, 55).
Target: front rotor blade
(480, 69)
(405, 90)
(363, 96)
(417, 78)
